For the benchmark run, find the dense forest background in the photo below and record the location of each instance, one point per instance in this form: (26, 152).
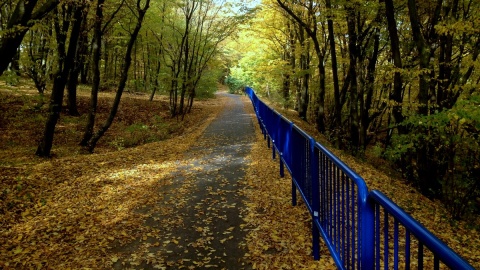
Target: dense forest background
(394, 79)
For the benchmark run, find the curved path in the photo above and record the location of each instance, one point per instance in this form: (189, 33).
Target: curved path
(200, 221)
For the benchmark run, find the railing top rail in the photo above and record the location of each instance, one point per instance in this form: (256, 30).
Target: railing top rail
(285, 119)
(446, 255)
(303, 133)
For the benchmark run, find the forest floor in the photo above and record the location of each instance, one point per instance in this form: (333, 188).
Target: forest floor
(79, 210)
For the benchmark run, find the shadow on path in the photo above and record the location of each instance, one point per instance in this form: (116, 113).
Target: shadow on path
(198, 224)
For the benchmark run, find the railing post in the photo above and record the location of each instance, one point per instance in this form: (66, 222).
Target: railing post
(294, 188)
(294, 193)
(314, 177)
(367, 234)
(273, 149)
(282, 173)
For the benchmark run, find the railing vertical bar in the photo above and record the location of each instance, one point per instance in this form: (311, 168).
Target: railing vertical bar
(349, 202)
(436, 263)
(407, 249)
(339, 208)
(294, 193)
(336, 201)
(343, 217)
(334, 193)
(330, 199)
(395, 249)
(315, 199)
(377, 235)
(420, 256)
(282, 169)
(273, 149)
(340, 213)
(354, 227)
(385, 239)
(325, 191)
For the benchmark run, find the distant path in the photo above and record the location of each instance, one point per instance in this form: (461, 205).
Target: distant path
(199, 223)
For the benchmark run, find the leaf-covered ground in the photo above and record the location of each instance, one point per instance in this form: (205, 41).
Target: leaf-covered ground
(69, 211)
(81, 211)
(281, 234)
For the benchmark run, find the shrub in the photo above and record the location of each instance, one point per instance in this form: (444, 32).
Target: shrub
(441, 154)
(234, 85)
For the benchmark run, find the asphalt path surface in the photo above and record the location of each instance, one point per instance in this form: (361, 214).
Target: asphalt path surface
(200, 221)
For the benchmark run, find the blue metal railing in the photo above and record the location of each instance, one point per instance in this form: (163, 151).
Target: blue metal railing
(407, 232)
(343, 212)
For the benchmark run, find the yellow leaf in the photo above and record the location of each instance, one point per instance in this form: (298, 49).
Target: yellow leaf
(80, 238)
(114, 259)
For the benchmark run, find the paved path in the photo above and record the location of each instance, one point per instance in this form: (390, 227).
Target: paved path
(200, 224)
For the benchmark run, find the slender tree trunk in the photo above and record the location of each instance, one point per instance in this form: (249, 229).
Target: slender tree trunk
(288, 49)
(303, 91)
(424, 58)
(75, 70)
(155, 80)
(369, 90)
(397, 95)
(96, 55)
(353, 53)
(426, 169)
(123, 78)
(337, 118)
(60, 79)
(445, 78)
(320, 117)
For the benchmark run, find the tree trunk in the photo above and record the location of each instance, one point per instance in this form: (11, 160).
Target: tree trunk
(369, 89)
(397, 95)
(96, 55)
(337, 117)
(304, 66)
(320, 100)
(65, 65)
(424, 58)
(353, 54)
(155, 80)
(304, 95)
(75, 71)
(123, 78)
(426, 169)
(288, 55)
